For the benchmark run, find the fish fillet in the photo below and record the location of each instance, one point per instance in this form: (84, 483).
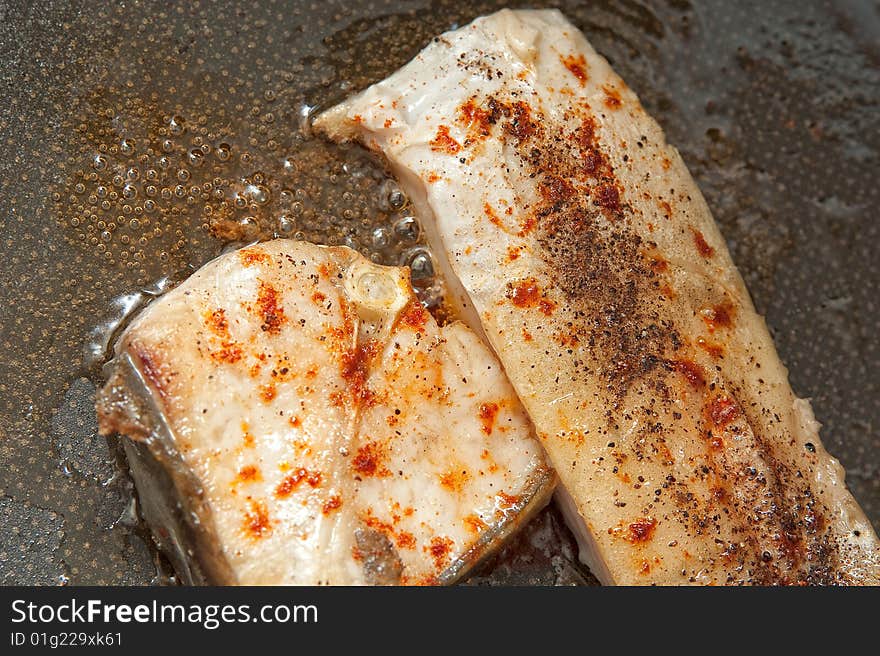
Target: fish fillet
(294, 416)
(576, 240)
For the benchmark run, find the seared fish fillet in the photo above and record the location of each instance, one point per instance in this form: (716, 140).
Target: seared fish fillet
(294, 416)
(578, 241)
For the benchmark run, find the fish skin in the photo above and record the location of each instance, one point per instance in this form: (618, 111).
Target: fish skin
(576, 240)
(294, 416)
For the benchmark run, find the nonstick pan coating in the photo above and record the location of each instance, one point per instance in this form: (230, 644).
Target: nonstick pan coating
(774, 107)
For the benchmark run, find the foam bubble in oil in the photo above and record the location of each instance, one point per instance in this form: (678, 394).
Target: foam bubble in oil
(156, 188)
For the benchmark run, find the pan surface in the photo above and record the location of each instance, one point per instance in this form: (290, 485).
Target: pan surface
(136, 141)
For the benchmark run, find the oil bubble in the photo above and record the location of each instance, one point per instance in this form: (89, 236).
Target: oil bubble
(196, 157)
(177, 125)
(420, 265)
(380, 238)
(223, 152)
(249, 227)
(407, 229)
(286, 224)
(396, 199)
(258, 193)
(430, 296)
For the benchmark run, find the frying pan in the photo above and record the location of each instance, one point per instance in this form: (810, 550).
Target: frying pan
(774, 107)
